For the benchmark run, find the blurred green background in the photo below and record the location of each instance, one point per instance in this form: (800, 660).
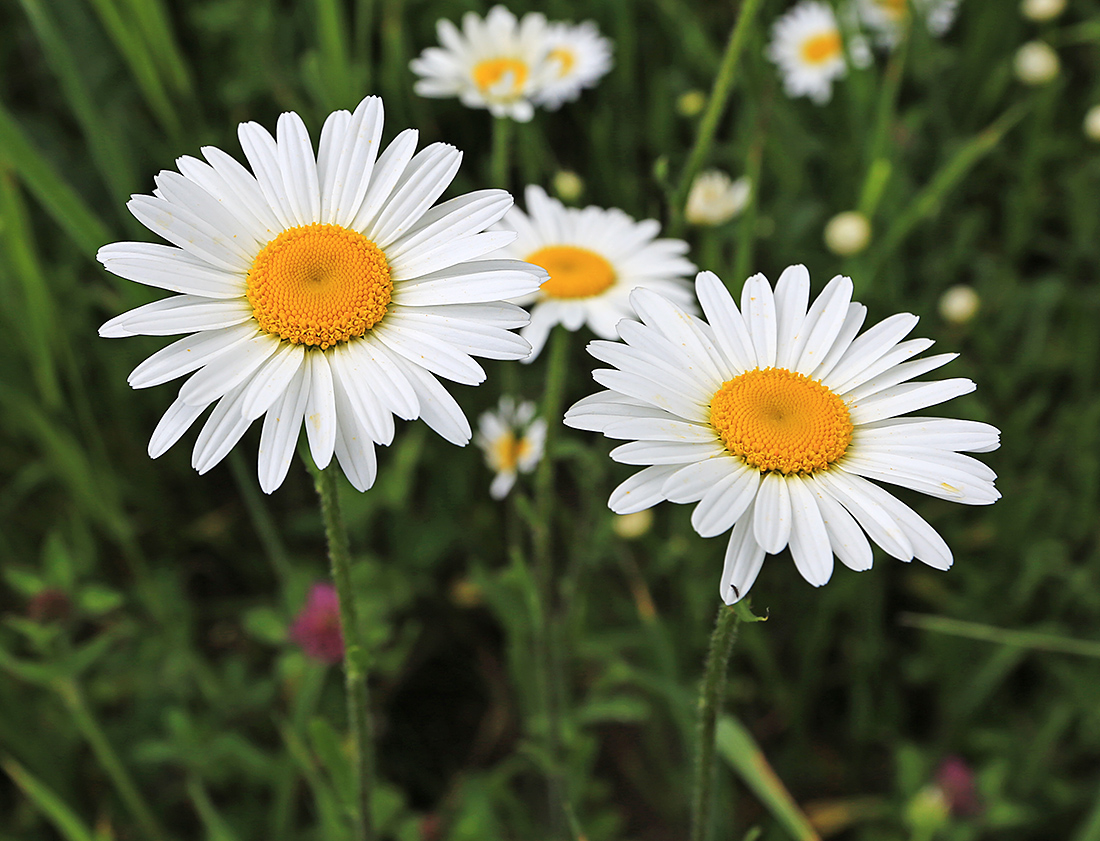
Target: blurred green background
(145, 609)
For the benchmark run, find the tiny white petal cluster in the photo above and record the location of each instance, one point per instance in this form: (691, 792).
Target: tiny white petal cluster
(806, 44)
(512, 439)
(715, 199)
(510, 65)
(886, 20)
(680, 387)
(445, 303)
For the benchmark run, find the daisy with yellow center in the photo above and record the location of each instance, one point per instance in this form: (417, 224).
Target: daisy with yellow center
(496, 62)
(324, 291)
(595, 258)
(512, 439)
(886, 20)
(774, 416)
(578, 57)
(807, 46)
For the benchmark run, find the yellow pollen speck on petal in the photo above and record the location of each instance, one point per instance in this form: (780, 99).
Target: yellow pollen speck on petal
(507, 452)
(574, 272)
(779, 420)
(319, 285)
(565, 59)
(489, 73)
(821, 48)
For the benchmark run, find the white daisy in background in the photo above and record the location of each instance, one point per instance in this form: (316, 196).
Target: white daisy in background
(887, 19)
(595, 257)
(714, 198)
(325, 290)
(497, 63)
(807, 46)
(773, 418)
(512, 439)
(579, 57)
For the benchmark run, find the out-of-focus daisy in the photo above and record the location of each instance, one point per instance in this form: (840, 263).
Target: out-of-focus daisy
(316, 628)
(578, 56)
(773, 418)
(715, 199)
(807, 46)
(320, 290)
(512, 439)
(959, 304)
(1091, 123)
(595, 257)
(847, 233)
(1041, 11)
(1036, 63)
(497, 63)
(887, 19)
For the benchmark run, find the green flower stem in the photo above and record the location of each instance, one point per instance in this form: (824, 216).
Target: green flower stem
(716, 104)
(710, 699)
(89, 727)
(501, 162)
(355, 655)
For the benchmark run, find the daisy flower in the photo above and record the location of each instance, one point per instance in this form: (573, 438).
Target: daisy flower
(887, 19)
(774, 417)
(579, 57)
(595, 257)
(807, 46)
(714, 198)
(496, 63)
(512, 439)
(326, 290)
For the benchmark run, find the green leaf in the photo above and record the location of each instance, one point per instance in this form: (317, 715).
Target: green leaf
(327, 745)
(266, 625)
(52, 807)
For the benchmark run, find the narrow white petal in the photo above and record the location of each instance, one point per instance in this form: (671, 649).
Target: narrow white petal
(176, 421)
(470, 337)
(272, 380)
(320, 412)
(263, 154)
(424, 349)
(823, 324)
(651, 366)
(938, 433)
(659, 429)
(846, 538)
(810, 546)
(373, 416)
(678, 327)
(729, 327)
(245, 189)
(907, 397)
(853, 320)
(371, 361)
(880, 525)
(640, 491)
(758, 307)
(931, 472)
(178, 314)
(191, 352)
(354, 448)
(183, 228)
(898, 374)
(221, 432)
(387, 171)
(772, 513)
(458, 253)
(352, 170)
(703, 362)
(475, 282)
(299, 170)
(744, 558)
(885, 367)
(428, 174)
(233, 368)
(598, 410)
(792, 294)
(282, 424)
(171, 268)
(691, 483)
(726, 501)
(665, 452)
(443, 224)
(868, 348)
(184, 193)
(438, 409)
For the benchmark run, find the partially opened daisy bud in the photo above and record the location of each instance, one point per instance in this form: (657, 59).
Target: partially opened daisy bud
(594, 257)
(497, 63)
(847, 233)
(807, 46)
(325, 291)
(715, 198)
(1036, 63)
(578, 57)
(774, 416)
(512, 439)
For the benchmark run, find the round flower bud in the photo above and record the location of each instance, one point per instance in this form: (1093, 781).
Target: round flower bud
(1036, 63)
(632, 526)
(568, 186)
(715, 199)
(1092, 123)
(848, 233)
(691, 103)
(1042, 10)
(959, 304)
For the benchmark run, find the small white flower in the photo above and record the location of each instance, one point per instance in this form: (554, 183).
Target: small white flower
(887, 19)
(1042, 10)
(847, 233)
(512, 439)
(774, 416)
(806, 45)
(959, 304)
(1091, 123)
(324, 291)
(715, 199)
(578, 57)
(1036, 63)
(595, 257)
(497, 63)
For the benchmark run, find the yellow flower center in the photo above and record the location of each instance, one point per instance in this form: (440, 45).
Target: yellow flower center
(488, 74)
(821, 48)
(565, 59)
(319, 285)
(574, 272)
(896, 9)
(779, 420)
(507, 451)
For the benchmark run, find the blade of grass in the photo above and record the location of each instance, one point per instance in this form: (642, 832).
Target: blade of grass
(53, 808)
(339, 81)
(215, 825)
(63, 204)
(152, 17)
(1034, 640)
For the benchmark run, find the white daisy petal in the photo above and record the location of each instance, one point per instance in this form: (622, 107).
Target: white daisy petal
(438, 409)
(169, 268)
(886, 365)
(372, 417)
(665, 452)
(354, 448)
(938, 433)
(348, 176)
(691, 483)
(898, 374)
(823, 324)
(642, 490)
(677, 329)
(191, 233)
(282, 424)
(187, 354)
(180, 314)
(192, 197)
(263, 154)
(371, 362)
(470, 337)
(725, 502)
(853, 320)
(425, 178)
(221, 432)
(666, 395)
(299, 169)
(744, 558)
(729, 327)
(235, 366)
(792, 295)
(244, 189)
(810, 546)
(176, 421)
(882, 528)
(866, 350)
(475, 282)
(606, 407)
(440, 226)
(772, 516)
(908, 397)
(271, 380)
(659, 429)
(436, 355)
(846, 538)
(388, 169)
(934, 473)
(758, 306)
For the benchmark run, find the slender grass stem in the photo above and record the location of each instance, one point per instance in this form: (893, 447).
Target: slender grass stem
(716, 105)
(109, 760)
(500, 164)
(710, 698)
(355, 655)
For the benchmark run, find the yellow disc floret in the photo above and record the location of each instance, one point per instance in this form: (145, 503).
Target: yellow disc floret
(779, 420)
(565, 59)
(489, 73)
(574, 272)
(821, 48)
(507, 451)
(319, 285)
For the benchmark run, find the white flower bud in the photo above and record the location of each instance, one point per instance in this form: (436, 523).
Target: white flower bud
(691, 103)
(631, 526)
(1042, 10)
(959, 304)
(568, 186)
(1036, 63)
(848, 233)
(1092, 123)
(715, 199)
